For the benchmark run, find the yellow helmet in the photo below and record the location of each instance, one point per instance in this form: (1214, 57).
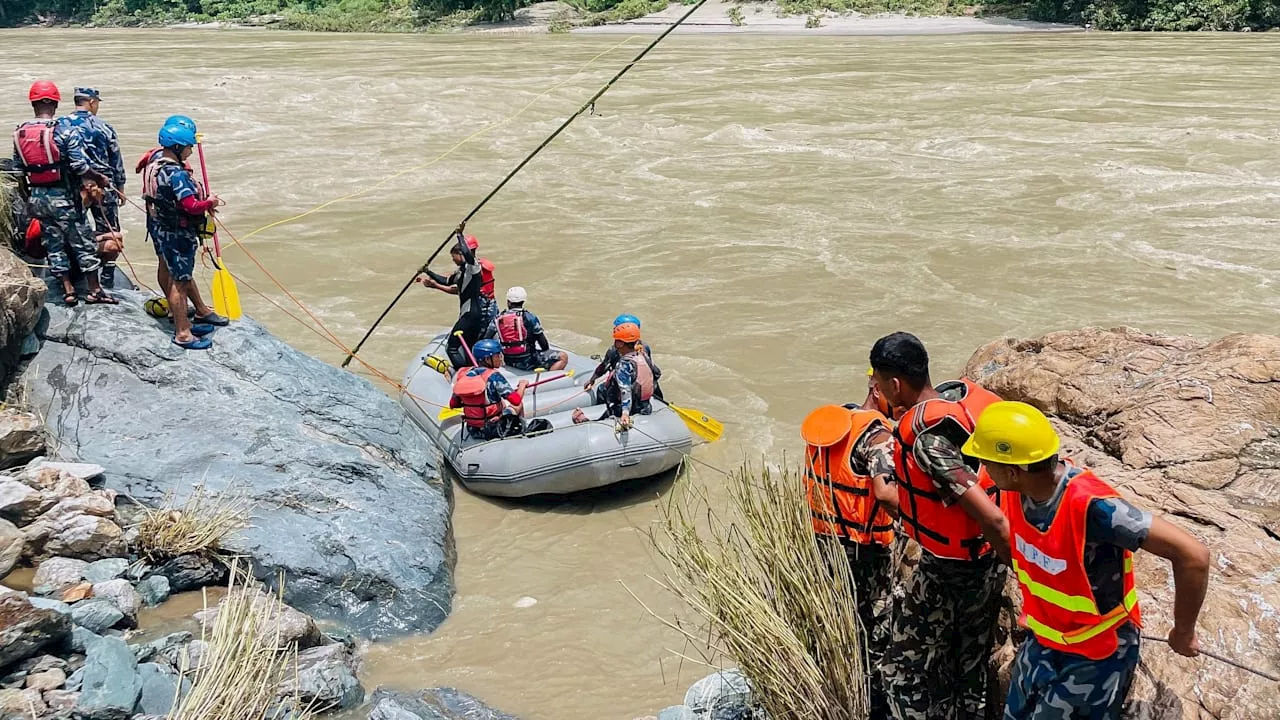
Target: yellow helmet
(1012, 433)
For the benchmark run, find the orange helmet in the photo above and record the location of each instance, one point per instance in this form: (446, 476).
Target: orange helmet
(44, 90)
(627, 332)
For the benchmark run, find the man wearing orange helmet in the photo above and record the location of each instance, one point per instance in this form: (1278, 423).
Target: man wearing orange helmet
(52, 157)
(630, 387)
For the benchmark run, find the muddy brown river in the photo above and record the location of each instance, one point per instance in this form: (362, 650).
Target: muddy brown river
(768, 206)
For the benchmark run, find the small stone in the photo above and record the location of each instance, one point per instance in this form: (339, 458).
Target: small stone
(159, 689)
(526, 602)
(19, 503)
(76, 593)
(43, 663)
(325, 677)
(61, 700)
(676, 712)
(107, 569)
(75, 680)
(57, 573)
(188, 657)
(81, 638)
(154, 590)
(50, 604)
(21, 703)
(83, 471)
(13, 545)
(96, 614)
(290, 626)
(21, 436)
(725, 695)
(111, 684)
(121, 593)
(25, 629)
(161, 648)
(51, 679)
(192, 572)
(73, 533)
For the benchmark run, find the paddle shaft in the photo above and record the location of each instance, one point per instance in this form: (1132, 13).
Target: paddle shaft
(453, 412)
(204, 175)
(1221, 658)
(463, 341)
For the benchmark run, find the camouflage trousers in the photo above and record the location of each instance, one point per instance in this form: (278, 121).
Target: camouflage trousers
(106, 215)
(940, 644)
(870, 567)
(65, 231)
(1051, 685)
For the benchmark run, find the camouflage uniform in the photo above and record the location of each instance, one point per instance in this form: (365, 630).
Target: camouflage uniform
(65, 229)
(1049, 684)
(102, 148)
(944, 624)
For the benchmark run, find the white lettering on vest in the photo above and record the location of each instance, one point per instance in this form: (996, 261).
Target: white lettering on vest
(1051, 565)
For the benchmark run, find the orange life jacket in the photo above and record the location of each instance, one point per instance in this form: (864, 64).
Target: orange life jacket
(486, 278)
(945, 531)
(513, 334)
(472, 390)
(842, 502)
(1057, 600)
(41, 159)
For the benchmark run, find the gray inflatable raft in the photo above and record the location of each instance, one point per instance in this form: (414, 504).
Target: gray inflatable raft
(567, 459)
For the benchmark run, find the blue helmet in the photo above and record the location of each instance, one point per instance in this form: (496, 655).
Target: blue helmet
(486, 348)
(626, 318)
(181, 120)
(175, 135)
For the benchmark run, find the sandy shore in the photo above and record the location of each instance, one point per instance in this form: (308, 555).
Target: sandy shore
(763, 19)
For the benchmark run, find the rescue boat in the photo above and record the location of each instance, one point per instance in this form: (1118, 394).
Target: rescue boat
(553, 457)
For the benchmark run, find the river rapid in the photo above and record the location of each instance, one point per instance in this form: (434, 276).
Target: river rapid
(769, 206)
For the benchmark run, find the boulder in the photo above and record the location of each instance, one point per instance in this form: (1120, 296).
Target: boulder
(80, 639)
(1188, 429)
(25, 629)
(111, 684)
(20, 304)
(191, 572)
(16, 703)
(13, 545)
(433, 704)
(154, 590)
(324, 678)
(104, 570)
(349, 507)
(50, 679)
(57, 574)
(21, 434)
(96, 614)
(162, 647)
(288, 626)
(121, 593)
(76, 528)
(159, 689)
(20, 503)
(726, 695)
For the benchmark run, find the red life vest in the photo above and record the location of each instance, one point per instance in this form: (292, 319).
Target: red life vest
(486, 278)
(945, 531)
(1057, 599)
(842, 503)
(513, 334)
(41, 159)
(472, 390)
(148, 166)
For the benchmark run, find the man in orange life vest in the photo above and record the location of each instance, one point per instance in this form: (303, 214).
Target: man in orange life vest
(1072, 552)
(473, 283)
(940, 645)
(845, 446)
(519, 331)
(485, 396)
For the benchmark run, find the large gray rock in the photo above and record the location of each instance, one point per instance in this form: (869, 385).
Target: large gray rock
(20, 304)
(161, 647)
(96, 614)
(433, 704)
(58, 573)
(111, 684)
(725, 695)
(191, 572)
(159, 689)
(321, 450)
(324, 678)
(26, 629)
(121, 593)
(12, 546)
(154, 590)
(104, 570)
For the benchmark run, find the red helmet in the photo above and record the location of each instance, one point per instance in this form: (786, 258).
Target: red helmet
(472, 242)
(44, 90)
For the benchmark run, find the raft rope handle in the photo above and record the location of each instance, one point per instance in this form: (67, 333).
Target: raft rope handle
(567, 121)
(1221, 658)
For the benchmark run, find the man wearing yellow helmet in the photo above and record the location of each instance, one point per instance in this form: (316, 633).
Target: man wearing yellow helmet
(1071, 539)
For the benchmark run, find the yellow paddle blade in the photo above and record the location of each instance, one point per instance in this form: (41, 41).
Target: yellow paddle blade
(226, 297)
(702, 425)
(447, 413)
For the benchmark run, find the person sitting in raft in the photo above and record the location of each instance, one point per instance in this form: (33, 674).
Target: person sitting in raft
(473, 283)
(611, 358)
(524, 344)
(630, 387)
(485, 396)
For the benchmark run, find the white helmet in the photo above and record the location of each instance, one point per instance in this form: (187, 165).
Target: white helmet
(517, 295)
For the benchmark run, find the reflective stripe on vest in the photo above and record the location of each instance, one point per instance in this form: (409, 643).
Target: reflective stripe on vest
(472, 390)
(39, 152)
(942, 530)
(1057, 598)
(842, 503)
(513, 334)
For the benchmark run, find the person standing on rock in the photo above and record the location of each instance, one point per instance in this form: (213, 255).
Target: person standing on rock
(102, 147)
(845, 447)
(53, 159)
(473, 283)
(942, 631)
(1073, 539)
(180, 209)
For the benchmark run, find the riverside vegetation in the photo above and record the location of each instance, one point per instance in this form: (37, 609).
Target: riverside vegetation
(411, 15)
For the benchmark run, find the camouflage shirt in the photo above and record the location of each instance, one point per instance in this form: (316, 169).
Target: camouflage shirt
(941, 459)
(872, 454)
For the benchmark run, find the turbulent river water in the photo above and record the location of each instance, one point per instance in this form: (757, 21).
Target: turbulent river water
(768, 206)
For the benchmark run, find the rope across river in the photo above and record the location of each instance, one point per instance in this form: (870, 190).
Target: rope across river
(590, 103)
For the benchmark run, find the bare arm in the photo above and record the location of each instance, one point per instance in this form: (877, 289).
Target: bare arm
(1190, 559)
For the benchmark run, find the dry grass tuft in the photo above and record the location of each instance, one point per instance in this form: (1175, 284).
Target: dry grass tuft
(241, 669)
(769, 594)
(198, 526)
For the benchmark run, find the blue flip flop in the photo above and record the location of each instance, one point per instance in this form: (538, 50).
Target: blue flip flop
(199, 343)
(201, 329)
